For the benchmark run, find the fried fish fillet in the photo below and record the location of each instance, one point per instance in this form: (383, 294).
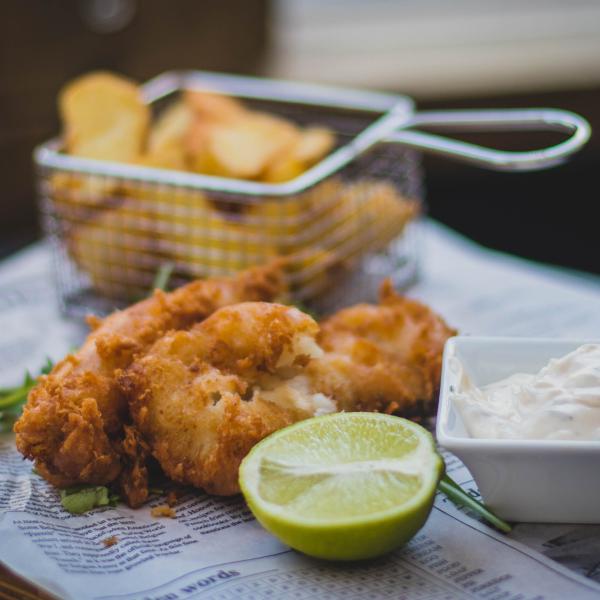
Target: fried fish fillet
(202, 398)
(385, 357)
(75, 425)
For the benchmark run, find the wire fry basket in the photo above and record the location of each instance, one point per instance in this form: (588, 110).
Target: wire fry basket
(342, 225)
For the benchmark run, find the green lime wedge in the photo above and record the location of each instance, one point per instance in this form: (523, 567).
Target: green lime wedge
(345, 486)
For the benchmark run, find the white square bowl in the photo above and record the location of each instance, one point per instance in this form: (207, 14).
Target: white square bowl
(549, 481)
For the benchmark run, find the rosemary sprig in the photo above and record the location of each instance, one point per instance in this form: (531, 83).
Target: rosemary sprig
(162, 277)
(13, 397)
(455, 493)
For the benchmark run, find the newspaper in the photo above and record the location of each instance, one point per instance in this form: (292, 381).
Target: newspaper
(215, 549)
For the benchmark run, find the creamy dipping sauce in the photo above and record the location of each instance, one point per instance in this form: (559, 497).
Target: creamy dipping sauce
(561, 402)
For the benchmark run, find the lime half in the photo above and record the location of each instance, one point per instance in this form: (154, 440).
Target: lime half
(345, 486)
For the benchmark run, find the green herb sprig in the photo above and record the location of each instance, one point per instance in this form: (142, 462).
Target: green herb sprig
(163, 276)
(81, 499)
(13, 398)
(455, 493)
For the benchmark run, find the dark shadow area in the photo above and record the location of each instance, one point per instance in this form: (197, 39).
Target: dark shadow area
(548, 215)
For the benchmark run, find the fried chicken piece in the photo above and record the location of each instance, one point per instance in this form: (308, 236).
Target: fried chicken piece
(384, 358)
(73, 424)
(202, 398)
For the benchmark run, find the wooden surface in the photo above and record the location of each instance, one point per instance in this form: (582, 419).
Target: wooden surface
(14, 588)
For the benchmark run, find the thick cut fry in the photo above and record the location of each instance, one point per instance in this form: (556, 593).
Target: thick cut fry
(374, 212)
(118, 248)
(104, 117)
(313, 145)
(246, 148)
(166, 140)
(73, 422)
(310, 146)
(283, 169)
(209, 110)
(227, 140)
(215, 107)
(76, 197)
(198, 150)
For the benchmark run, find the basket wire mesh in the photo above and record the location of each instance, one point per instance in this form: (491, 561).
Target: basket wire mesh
(110, 233)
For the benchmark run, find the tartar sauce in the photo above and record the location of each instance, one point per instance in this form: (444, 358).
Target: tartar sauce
(561, 402)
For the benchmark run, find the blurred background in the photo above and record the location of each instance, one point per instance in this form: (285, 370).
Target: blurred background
(464, 53)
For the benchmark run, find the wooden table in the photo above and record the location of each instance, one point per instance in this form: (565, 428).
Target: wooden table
(13, 588)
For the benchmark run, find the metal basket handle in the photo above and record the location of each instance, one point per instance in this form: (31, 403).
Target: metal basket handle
(496, 120)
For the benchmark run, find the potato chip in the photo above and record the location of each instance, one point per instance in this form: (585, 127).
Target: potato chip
(200, 239)
(198, 152)
(247, 147)
(313, 145)
(72, 190)
(374, 212)
(166, 147)
(214, 107)
(118, 250)
(283, 169)
(119, 234)
(104, 117)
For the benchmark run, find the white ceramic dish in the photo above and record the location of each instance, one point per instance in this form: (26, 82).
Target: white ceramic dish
(521, 480)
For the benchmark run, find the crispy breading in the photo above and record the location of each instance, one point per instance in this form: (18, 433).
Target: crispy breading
(193, 379)
(163, 510)
(73, 422)
(202, 398)
(384, 357)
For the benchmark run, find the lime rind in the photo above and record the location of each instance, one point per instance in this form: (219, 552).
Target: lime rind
(333, 445)
(430, 473)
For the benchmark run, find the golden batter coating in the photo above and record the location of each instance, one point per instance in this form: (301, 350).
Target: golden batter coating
(202, 398)
(73, 423)
(384, 358)
(193, 379)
